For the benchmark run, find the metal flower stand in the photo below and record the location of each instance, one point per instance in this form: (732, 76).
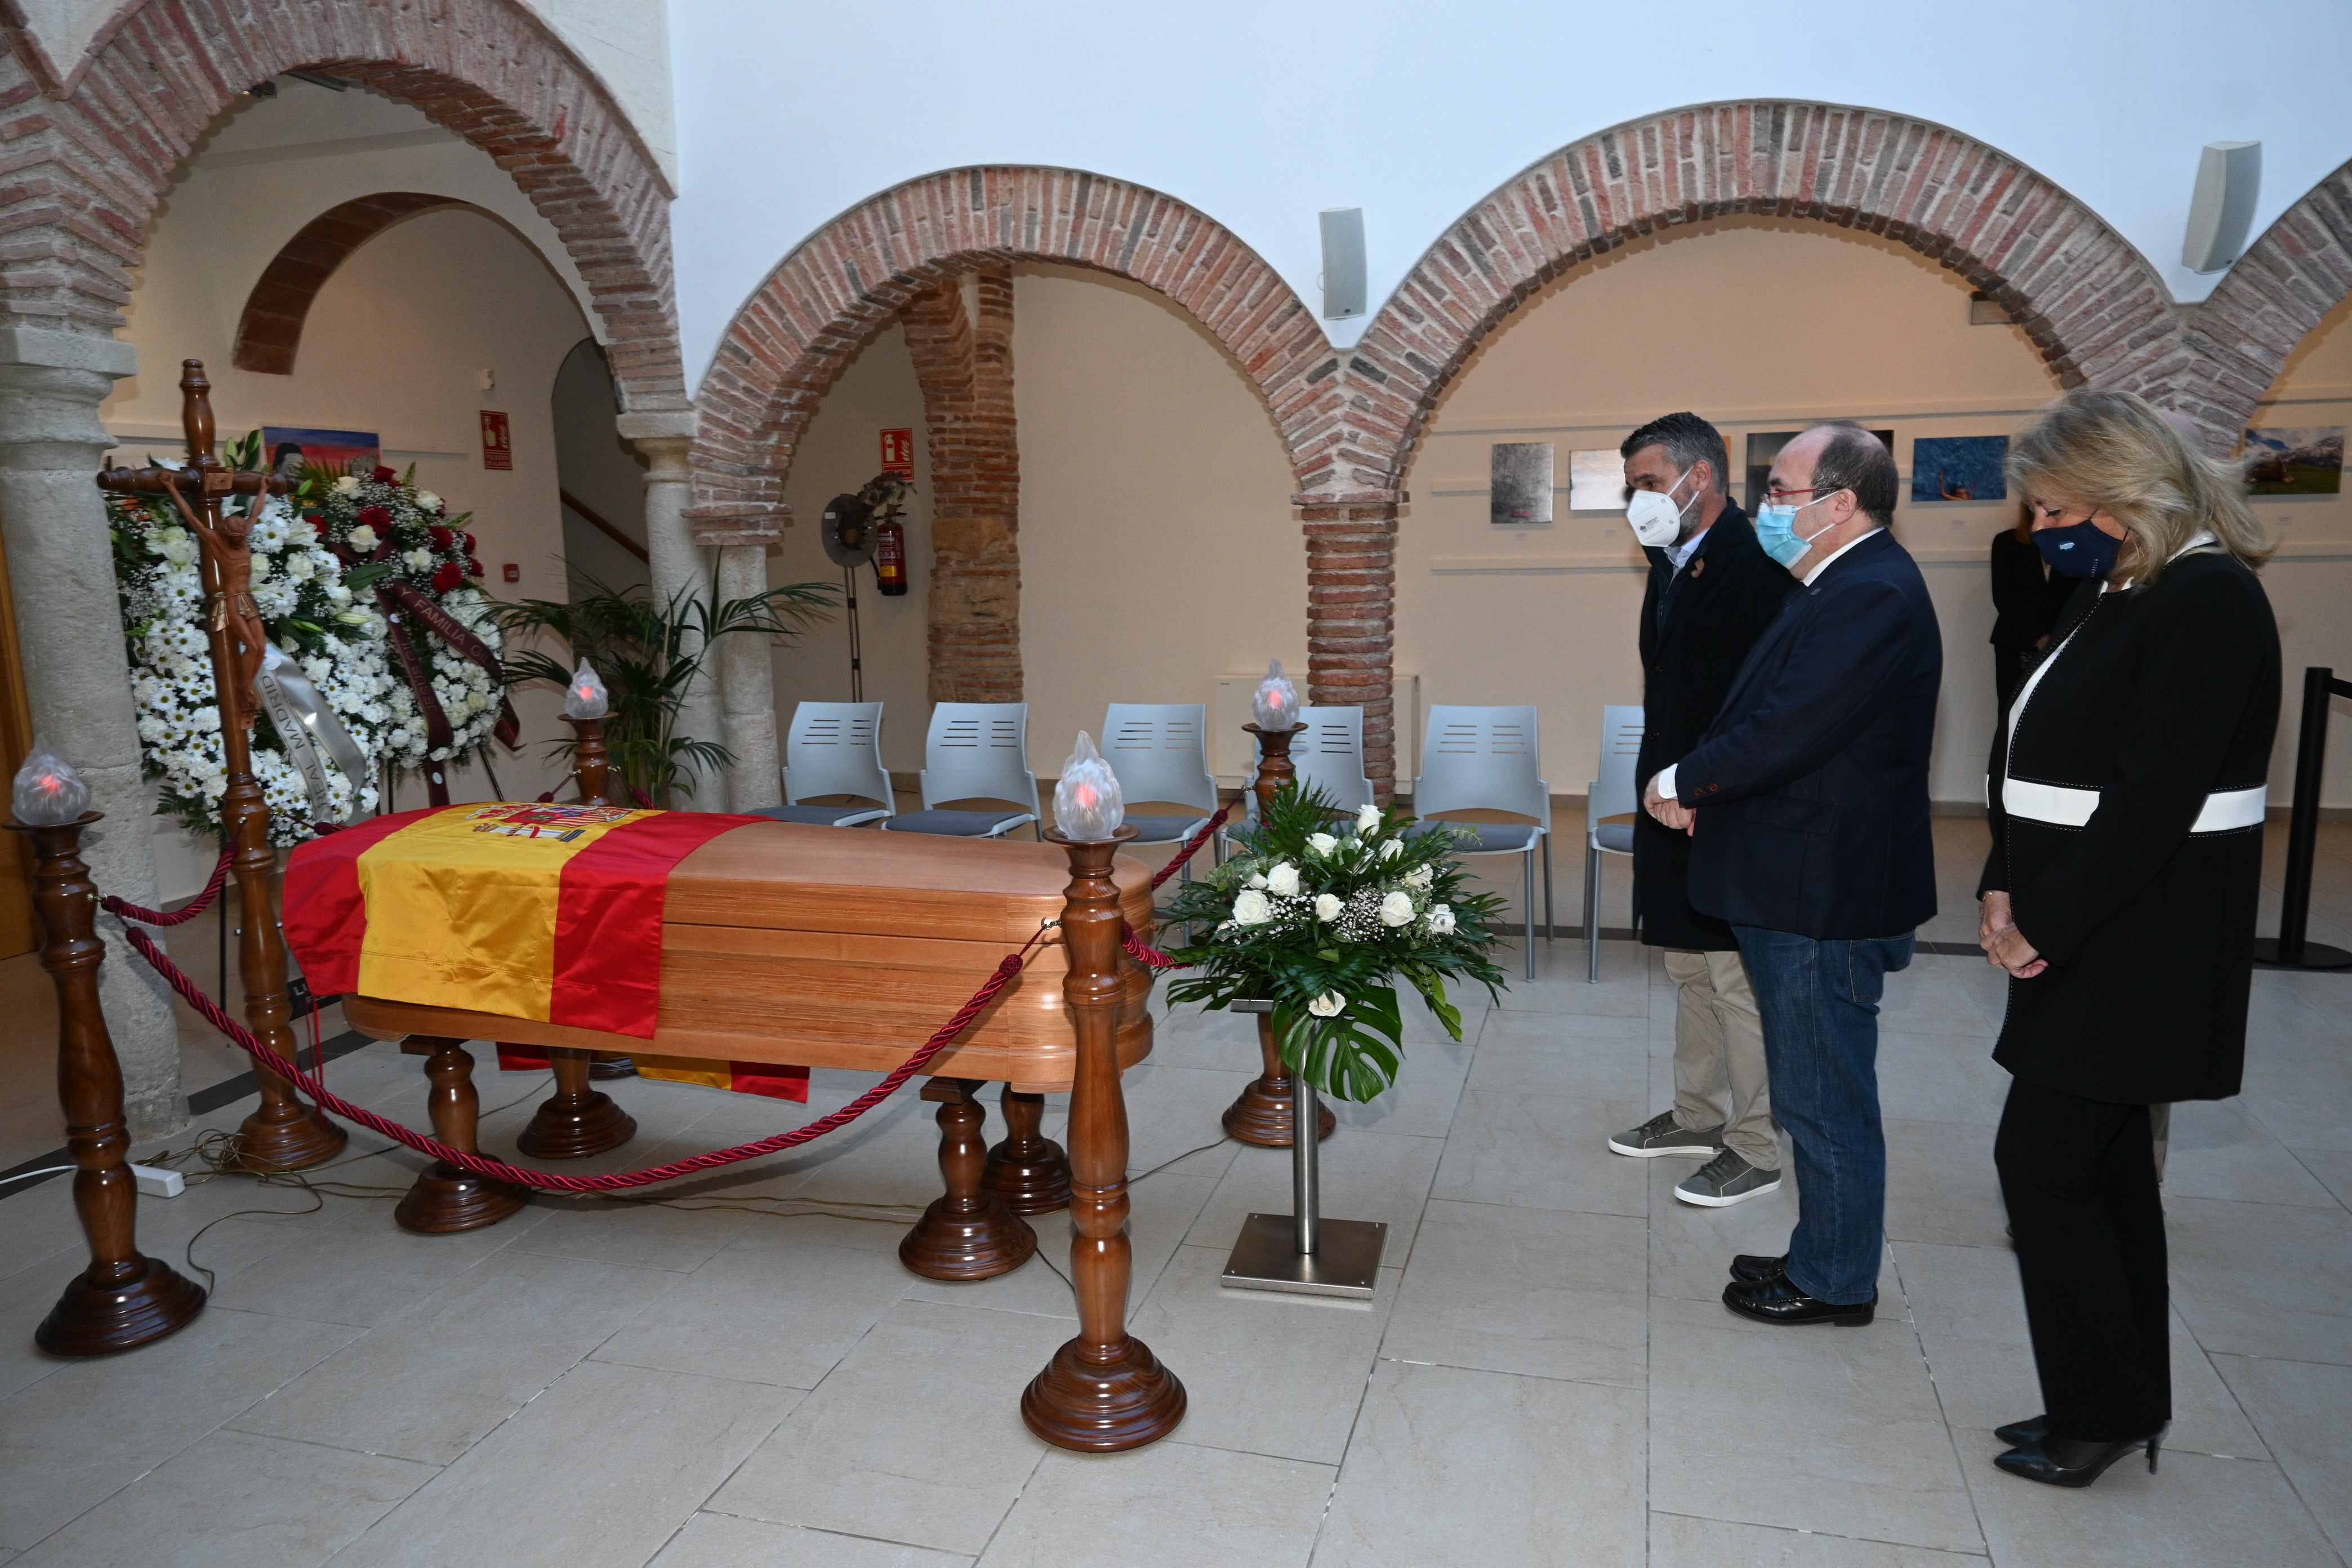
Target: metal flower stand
(1301, 1252)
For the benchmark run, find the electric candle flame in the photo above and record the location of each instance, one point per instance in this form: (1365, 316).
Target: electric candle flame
(1089, 805)
(48, 792)
(585, 698)
(1275, 706)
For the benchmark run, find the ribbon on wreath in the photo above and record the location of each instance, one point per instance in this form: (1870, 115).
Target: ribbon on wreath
(396, 598)
(305, 726)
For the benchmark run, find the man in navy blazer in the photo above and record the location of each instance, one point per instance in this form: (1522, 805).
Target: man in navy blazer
(1807, 801)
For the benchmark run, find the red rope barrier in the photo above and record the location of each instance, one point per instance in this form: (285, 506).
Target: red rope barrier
(546, 1181)
(1143, 952)
(1192, 847)
(204, 901)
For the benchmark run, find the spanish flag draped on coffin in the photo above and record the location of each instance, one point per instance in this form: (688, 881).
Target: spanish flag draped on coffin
(542, 912)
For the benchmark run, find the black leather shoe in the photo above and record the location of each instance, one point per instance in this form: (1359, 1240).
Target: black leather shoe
(1775, 1301)
(2023, 1434)
(1755, 1270)
(2035, 1465)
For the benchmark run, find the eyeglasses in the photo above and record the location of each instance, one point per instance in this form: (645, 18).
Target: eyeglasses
(1776, 497)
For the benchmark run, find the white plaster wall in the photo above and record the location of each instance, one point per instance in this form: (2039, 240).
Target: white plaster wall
(1260, 114)
(1158, 549)
(395, 343)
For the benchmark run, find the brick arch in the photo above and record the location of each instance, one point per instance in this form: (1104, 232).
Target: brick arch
(2276, 296)
(92, 156)
(2091, 303)
(269, 331)
(809, 317)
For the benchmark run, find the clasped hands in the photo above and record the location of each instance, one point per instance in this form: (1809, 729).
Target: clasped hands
(2004, 945)
(1671, 813)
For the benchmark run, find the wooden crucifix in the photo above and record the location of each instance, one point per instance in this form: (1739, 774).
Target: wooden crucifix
(284, 1133)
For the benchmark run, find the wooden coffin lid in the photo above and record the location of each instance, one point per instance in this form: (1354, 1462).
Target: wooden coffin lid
(790, 876)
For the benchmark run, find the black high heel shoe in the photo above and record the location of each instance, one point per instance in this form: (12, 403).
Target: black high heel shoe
(2024, 1433)
(2037, 1465)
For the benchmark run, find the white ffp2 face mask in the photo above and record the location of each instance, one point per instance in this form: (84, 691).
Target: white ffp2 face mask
(1656, 520)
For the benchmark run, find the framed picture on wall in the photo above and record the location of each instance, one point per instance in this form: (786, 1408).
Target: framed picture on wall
(1520, 483)
(1596, 480)
(2282, 461)
(1763, 446)
(337, 451)
(1959, 467)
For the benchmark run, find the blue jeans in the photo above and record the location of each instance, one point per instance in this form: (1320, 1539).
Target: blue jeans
(1819, 1001)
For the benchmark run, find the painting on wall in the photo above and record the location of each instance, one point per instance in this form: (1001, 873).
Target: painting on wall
(1596, 480)
(337, 451)
(1959, 467)
(1520, 489)
(2294, 462)
(1763, 446)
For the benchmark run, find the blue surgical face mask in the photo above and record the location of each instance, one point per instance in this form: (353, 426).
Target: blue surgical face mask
(1775, 531)
(2079, 549)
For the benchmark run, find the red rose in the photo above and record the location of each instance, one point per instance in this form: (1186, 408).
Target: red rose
(376, 517)
(448, 576)
(473, 567)
(469, 544)
(315, 520)
(385, 477)
(442, 538)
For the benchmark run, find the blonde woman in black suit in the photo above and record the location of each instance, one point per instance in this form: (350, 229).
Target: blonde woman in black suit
(2126, 800)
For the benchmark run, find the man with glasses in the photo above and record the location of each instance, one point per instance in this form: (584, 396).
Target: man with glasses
(1807, 803)
(1712, 592)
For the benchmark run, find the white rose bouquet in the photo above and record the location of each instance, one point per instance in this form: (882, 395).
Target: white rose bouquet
(1320, 923)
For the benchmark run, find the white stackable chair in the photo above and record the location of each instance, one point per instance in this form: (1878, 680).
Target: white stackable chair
(1486, 759)
(834, 748)
(1330, 756)
(1157, 751)
(975, 751)
(1616, 792)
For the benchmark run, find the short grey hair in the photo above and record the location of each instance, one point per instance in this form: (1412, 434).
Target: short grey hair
(1688, 440)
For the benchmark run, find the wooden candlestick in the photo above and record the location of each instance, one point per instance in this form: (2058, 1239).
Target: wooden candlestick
(591, 765)
(123, 1299)
(1103, 1391)
(283, 1133)
(1263, 1112)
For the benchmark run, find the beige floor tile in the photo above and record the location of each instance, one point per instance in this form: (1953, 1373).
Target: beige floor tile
(717, 1541)
(1690, 1247)
(1544, 1151)
(2219, 1152)
(74, 1438)
(38, 1224)
(1162, 1212)
(1564, 1054)
(26, 1298)
(1939, 1077)
(2269, 1279)
(595, 1473)
(1550, 1293)
(2332, 1168)
(1678, 1540)
(2304, 1410)
(1857, 1447)
(1263, 1373)
(2195, 1512)
(916, 1436)
(766, 1309)
(1171, 1505)
(635, 1236)
(1447, 1468)
(1422, 1101)
(1970, 1317)
(1941, 1186)
(437, 1377)
(1223, 1041)
(1365, 1176)
(1931, 998)
(236, 1500)
(1169, 1110)
(1624, 990)
(362, 1267)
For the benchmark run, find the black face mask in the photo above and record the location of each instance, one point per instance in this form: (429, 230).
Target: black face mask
(2079, 549)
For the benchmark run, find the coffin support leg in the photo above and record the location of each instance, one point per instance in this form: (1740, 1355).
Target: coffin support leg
(445, 1198)
(969, 1234)
(577, 1121)
(1029, 1172)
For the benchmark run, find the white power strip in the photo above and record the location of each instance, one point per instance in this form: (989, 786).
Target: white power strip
(154, 1182)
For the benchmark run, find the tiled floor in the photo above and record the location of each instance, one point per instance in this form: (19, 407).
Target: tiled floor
(1545, 1375)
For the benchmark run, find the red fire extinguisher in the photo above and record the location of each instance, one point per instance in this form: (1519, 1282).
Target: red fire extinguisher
(890, 557)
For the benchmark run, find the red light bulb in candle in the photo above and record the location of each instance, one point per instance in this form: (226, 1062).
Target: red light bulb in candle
(1276, 703)
(585, 698)
(1088, 802)
(48, 790)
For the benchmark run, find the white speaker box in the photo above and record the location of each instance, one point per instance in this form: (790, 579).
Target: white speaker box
(1343, 262)
(2228, 179)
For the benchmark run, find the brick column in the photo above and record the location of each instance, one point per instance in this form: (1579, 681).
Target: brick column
(1351, 617)
(964, 362)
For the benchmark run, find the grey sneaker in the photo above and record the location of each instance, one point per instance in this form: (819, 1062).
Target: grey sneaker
(1725, 1180)
(1660, 1135)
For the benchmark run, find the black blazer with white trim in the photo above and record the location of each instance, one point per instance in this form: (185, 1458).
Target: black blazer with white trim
(2124, 794)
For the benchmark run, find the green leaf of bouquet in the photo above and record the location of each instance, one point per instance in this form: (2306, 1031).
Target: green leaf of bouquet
(360, 576)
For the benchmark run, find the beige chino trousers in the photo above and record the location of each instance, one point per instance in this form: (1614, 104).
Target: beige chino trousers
(1720, 1078)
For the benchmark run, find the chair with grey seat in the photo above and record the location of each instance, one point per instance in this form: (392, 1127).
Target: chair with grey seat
(975, 751)
(1157, 752)
(834, 748)
(1329, 754)
(1616, 792)
(1486, 759)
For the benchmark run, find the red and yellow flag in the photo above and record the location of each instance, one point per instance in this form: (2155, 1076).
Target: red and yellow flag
(541, 911)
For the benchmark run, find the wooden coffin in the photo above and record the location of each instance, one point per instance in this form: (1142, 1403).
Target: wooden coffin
(846, 948)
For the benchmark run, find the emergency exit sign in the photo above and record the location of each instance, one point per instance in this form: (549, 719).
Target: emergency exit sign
(899, 453)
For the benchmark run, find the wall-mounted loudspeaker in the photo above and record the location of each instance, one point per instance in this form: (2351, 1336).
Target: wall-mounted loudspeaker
(1343, 263)
(2228, 178)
